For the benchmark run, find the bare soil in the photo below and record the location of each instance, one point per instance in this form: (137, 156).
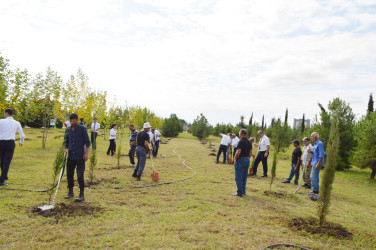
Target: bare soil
(213, 154)
(102, 181)
(275, 194)
(67, 210)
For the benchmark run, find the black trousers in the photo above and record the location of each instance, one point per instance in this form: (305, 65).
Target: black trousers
(6, 155)
(261, 158)
(222, 149)
(94, 140)
(112, 147)
(71, 166)
(131, 153)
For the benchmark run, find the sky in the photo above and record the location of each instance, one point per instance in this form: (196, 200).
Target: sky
(221, 58)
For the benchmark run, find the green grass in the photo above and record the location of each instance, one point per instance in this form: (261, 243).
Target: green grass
(197, 213)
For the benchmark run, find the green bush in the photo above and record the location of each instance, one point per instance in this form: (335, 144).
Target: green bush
(172, 126)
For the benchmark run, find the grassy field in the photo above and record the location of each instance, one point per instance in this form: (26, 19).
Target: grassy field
(197, 213)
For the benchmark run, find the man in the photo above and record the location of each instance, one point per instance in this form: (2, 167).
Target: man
(82, 121)
(318, 161)
(307, 159)
(76, 138)
(142, 149)
(8, 129)
(132, 144)
(225, 142)
(242, 162)
(94, 129)
(295, 163)
(262, 156)
(155, 134)
(234, 143)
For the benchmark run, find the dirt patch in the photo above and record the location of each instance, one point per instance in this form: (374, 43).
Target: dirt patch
(311, 225)
(275, 194)
(213, 150)
(67, 210)
(102, 181)
(124, 155)
(213, 154)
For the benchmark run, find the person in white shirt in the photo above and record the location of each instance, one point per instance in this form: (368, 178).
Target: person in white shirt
(225, 143)
(94, 129)
(307, 159)
(113, 136)
(262, 156)
(8, 129)
(67, 124)
(234, 143)
(155, 134)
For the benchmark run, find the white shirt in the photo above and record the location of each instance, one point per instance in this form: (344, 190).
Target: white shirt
(306, 155)
(264, 143)
(225, 140)
(8, 129)
(95, 126)
(67, 123)
(234, 142)
(113, 134)
(156, 133)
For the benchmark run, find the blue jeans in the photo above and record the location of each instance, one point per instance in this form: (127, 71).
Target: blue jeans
(155, 148)
(315, 174)
(292, 173)
(222, 149)
(241, 174)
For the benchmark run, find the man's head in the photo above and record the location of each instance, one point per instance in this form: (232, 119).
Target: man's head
(82, 120)
(252, 139)
(295, 143)
(95, 120)
(147, 127)
(73, 118)
(243, 133)
(260, 133)
(131, 127)
(8, 112)
(229, 134)
(233, 136)
(153, 130)
(306, 141)
(315, 136)
(114, 126)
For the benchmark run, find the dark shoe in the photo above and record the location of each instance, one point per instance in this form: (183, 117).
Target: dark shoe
(285, 181)
(70, 194)
(315, 192)
(252, 174)
(138, 177)
(295, 183)
(81, 197)
(3, 184)
(264, 176)
(236, 194)
(216, 162)
(134, 173)
(307, 186)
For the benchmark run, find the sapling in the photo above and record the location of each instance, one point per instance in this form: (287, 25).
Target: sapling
(118, 154)
(274, 167)
(56, 167)
(93, 163)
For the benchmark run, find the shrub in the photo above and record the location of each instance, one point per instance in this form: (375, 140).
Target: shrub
(172, 126)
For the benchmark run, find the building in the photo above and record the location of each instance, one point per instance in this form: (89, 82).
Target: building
(298, 123)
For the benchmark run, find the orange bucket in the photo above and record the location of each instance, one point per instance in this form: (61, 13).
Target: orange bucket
(155, 176)
(230, 161)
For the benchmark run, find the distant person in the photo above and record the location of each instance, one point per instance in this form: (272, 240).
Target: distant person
(225, 143)
(8, 129)
(82, 121)
(155, 134)
(94, 129)
(67, 124)
(142, 149)
(234, 143)
(132, 144)
(262, 156)
(242, 162)
(112, 139)
(295, 163)
(306, 162)
(318, 161)
(77, 143)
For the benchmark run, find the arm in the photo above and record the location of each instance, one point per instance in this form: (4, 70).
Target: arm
(237, 155)
(267, 151)
(297, 164)
(321, 155)
(87, 143)
(99, 126)
(147, 147)
(22, 135)
(66, 141)
(310, 160)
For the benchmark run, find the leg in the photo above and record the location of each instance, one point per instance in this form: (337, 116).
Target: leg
(292, 173)
(131, 153)
(80, 173)
(219, 152)
(224, 153)
(297, 176)
(138, 163)
(315, 179)
(142, 160)
(7, 155)
(155, 154)
(238, 178)
(307, 175)
(71, 165)
(257, 162)
(109, 149)
(245, 174)
(265, 164)
(92, 139)
(233, 156)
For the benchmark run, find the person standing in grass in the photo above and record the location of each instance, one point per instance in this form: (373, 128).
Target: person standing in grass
(318, 161)
(142, 149)
(94, 129)
(306, 161)
(76, 140)
(242, 162)
(295, 163)
(113, 136)
(82, 121)
(8, 129)
(155, 134)
(262, 156)
(132, 144)
(234, 143)
(225, 143)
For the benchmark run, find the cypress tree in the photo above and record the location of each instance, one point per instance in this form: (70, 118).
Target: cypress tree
(327, 179)
(262, 123)
(286, 117)
(370, 103)
(303, 125)
(250, 119)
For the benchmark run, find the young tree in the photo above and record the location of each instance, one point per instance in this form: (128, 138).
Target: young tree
(303, 123)
(370, 103)
(262, 122)
(364, 154)
(93, 163)
(330, 168)
(251, 120)
(286, 117)
(241, 123)
(172, 126)
(56, 167)
(200, 127)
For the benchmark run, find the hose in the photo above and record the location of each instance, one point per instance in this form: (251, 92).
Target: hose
(284, 245)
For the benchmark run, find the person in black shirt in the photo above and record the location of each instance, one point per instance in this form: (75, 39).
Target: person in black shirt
(242, 162)
(142, 149)
(295, 163)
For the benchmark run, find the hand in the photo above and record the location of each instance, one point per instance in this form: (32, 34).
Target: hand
(20, 144)
(256, 145)
(234, 162)
(295, 169)
(317, 165)
(86, 157)
(253, 155)
(308, 165)
(266, 154)
(66, 150)
(150, 152)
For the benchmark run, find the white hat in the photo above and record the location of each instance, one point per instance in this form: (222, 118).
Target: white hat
(147, 125)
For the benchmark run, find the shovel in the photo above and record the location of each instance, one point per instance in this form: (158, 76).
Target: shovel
(154, 175)
(52, 206)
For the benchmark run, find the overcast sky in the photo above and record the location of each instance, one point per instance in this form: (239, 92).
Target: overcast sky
(223, 58)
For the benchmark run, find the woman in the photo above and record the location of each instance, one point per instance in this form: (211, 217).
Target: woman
(113, 136)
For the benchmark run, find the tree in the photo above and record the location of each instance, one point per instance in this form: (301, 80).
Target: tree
(303, 123)
(330, 168)
(241, 123)
(286, 117)
(172, 126)
(262, 123)
(370, 103)
(200, 127)
(251, 119)
(364, 154)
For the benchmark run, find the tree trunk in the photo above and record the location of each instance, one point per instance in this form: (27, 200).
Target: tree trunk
(373, 173)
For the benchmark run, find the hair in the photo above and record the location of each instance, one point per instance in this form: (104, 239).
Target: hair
(260, 132)
(81, 119)
(73, 116)
(113, 125)
(233, 134)
(243, 131)
(252, 139)
(95, 118)
(315, 134)
(131, 125)
(152, 129)
(9, 111)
